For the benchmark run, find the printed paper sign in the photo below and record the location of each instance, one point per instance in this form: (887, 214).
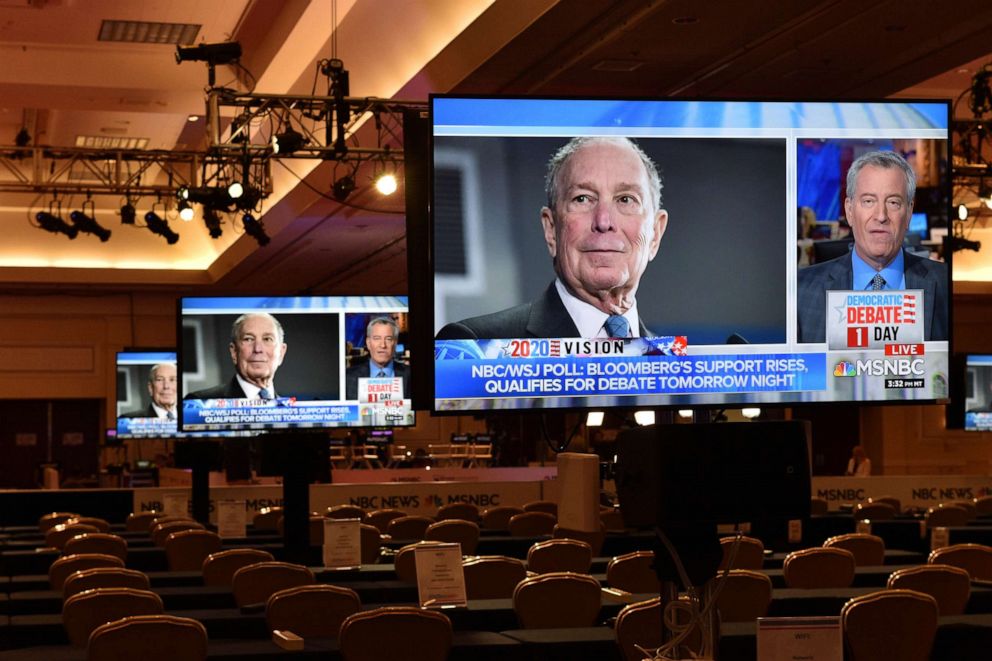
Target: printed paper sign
(232, 520)
(176, 504)
(807, 638)
(342, 543)
(440, 577)
(876, 320)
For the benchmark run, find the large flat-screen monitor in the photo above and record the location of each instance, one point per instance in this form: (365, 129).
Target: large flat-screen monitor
(538, 238)
(978, 392)
(293, 362)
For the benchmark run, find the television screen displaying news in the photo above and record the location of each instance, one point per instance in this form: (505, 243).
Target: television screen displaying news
(978, 393)
(293, 362)
(594, 253)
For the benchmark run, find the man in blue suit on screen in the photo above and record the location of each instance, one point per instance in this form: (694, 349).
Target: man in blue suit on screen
(381, 335)
(881, 187)
(602, 225)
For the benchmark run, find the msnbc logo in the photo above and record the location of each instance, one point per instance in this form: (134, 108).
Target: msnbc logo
(844, 368)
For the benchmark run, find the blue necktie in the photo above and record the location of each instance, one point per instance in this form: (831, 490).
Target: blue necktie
(264, 393)
(617, 326)
(878, 282)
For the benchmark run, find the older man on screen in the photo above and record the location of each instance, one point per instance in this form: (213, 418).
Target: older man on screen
(602, 225)
(257, 350)
(881, 186)
(162, 389)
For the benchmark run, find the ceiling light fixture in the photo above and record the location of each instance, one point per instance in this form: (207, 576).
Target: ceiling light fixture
(87, 223)
(386, 183)
(186, 212)
(128, 213)
(51, 221)
(343, 187)
(160, 226)
(255, 229)
(288, 142)
(213, 222)
(222, 53)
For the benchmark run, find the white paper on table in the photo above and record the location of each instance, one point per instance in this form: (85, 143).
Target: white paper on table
(440, 577)
(807, 638)
(342, 543)
(232, 519)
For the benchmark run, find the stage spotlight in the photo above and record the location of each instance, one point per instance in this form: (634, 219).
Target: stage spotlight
(127, 214)
(52, 223)
(386, 183)
(222, 53)
(288, 142)
(23, 138)
(235, 190)
(248, 199)
(88, 224)
(186, 211)
(213, 222)
(160, 226)
(343, 188)
(255, 229)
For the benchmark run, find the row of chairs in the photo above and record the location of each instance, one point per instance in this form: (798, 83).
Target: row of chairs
(884, 508)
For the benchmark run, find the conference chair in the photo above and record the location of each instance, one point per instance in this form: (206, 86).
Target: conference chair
(345, 512)
(409, 527)
(149, 638)
(58, 535)
(532, 524)
(96, 542)
(63, 567)
(746, 595)
(218, 568)
(822, 567)
(371, 540)
(968, 505)
(492, 576)
(546, 506)
(255, 583)
(595, 539)
(104, 577)
(633, 572)
(405, 563)
(140, 521)
(465, 533)
(976, 559)
(161, 530)
(559, 555)
(52, 519)
(818, 506)
(82, 613)
(311, 610)
(868, 550)
(395, 632)
(891, 500)
(381, 518)
(890, 624)
(498, 518)
(558, 600)
(612, 520)
(947, 516)
(874, 511)
(983, 505)
(949, 586)
(638, 625)
(750, 552)
(315, 528)
(267, 518)
(187, 549)
(461, 511)
(102, 525)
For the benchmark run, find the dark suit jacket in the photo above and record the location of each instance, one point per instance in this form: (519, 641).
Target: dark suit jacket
(230, 390)
(816, 280)
(361, 370)
(544, 317)
(147, 412)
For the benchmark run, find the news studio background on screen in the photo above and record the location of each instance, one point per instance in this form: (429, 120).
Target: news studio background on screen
(137, 415)
(978, 392)
(754, 192)
(323, 336)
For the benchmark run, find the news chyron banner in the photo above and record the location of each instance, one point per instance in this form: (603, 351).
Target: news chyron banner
(482, 373)
(875, 340)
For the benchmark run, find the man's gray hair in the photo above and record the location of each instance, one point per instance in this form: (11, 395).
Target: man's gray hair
(882, 159)
(240, 321)
(382, 320)
(153, 372)
(560, 158)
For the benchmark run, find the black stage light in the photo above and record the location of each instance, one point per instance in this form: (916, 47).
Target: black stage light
(213, 222)
(160, 226)
(222, 53)
(23, 138)
(248, 199)
(343, 188)
(54, 224)
(127, 214)
(88, 224)
(216, 198)
(288, 142)
(255, 229)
